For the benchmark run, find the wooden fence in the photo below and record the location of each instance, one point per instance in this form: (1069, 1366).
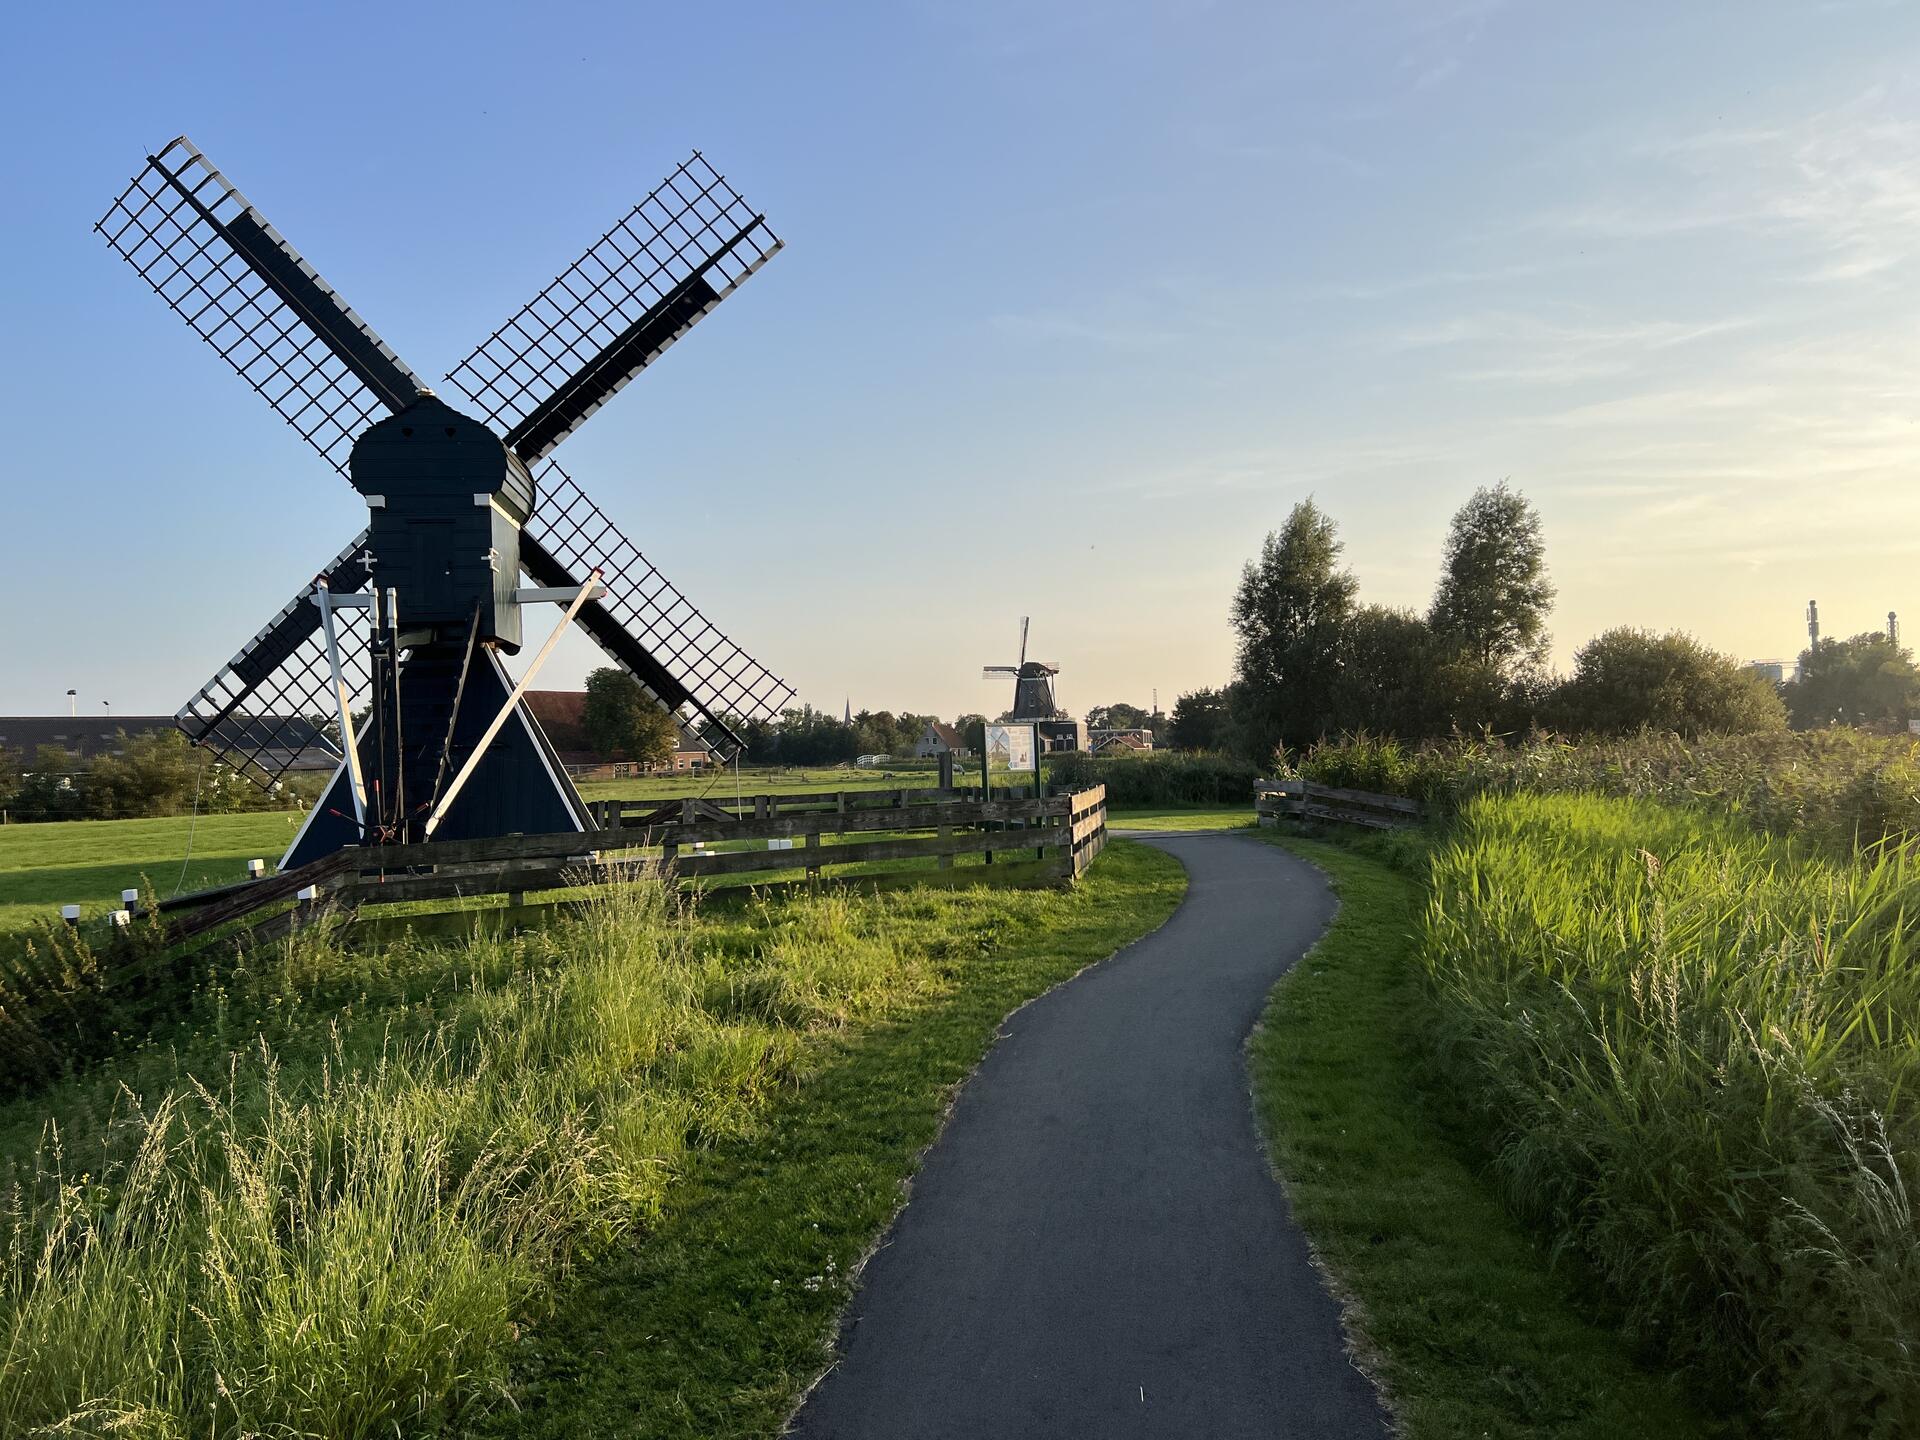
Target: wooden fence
(1275, 800)
(685, 838)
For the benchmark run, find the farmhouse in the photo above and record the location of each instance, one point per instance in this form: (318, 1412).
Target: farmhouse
(937, 740)
(1121, 742)
(562, 714)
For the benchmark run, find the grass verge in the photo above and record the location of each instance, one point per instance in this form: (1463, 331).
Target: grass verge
(1182, 817)
(713, 1326)
(330, 1194)
(1457, 1309)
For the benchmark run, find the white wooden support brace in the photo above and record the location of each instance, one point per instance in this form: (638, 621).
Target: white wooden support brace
(342, 703)
(506, 710)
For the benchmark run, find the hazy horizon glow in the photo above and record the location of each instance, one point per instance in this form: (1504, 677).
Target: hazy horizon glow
(1076, 304)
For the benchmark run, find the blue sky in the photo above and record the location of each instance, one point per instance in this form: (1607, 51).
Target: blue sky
(1077, 301)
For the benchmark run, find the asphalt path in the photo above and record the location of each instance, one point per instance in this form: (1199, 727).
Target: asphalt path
(1095, 1245)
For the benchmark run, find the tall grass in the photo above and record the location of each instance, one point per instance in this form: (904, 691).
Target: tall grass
(1692, 1049)
(323, 1205)
(1839, 787)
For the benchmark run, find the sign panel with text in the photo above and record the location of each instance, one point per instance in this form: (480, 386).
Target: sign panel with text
(1013, 747)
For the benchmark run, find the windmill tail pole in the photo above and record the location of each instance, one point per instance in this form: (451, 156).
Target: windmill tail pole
(506, 711)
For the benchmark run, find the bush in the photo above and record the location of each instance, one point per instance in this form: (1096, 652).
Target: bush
(1689, 1049)
(1159, 779)
(1628, 680)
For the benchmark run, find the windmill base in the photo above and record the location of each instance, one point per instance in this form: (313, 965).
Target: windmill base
(520, 786)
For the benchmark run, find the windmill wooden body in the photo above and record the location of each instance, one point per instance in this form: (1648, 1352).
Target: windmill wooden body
(398, 638)
(1033, 699)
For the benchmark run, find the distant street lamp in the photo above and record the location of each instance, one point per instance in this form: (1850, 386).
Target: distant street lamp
(71, 702)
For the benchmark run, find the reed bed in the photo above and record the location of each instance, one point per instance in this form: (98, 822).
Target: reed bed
(1691, 1048)
(326, 1200)
(1840, 788)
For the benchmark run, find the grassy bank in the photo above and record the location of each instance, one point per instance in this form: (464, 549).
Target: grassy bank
(1458, 1309)
(1690, 1053)
(338, 1196)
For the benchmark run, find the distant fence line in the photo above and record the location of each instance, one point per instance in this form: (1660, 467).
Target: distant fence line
(1276, 800)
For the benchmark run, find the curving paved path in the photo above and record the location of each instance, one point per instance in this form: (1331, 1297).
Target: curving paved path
(1095, 1246)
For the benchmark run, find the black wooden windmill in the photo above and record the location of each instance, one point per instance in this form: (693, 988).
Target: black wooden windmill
(1033, 700)
(406, 624)
(1032, 683)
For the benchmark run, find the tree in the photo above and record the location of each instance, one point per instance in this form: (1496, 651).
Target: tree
(1494, 594)
(1201, 720)
(1290, 610)
(814, 737)
(1118, 716)
(52, 786)
(973, 732)
(1866, 680)
(621, 719)
(154, 774)
(1628, 680)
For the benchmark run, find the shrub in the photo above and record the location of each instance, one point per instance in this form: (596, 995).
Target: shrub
(1158, 779)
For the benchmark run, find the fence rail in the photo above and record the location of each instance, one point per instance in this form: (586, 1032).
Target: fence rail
(1276, 800)
(755, 833)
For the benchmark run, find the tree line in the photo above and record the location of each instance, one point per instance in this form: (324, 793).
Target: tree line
(155, 773)
(1312, 661)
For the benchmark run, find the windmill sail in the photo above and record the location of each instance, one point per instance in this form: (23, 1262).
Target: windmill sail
(243, 289)
(640, 287)
(274, 700)
(644, 622)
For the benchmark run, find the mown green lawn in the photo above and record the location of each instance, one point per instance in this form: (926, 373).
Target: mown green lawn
(770, 780)
(89, 862)
(1201, 817)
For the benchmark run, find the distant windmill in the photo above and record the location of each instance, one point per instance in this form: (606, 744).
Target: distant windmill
(1032, 684)
(1033, 702)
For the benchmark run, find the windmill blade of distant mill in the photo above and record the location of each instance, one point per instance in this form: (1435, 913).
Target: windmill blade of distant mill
(644, 622)
(640, 287)
(274, 699)
(206, 251)
(993, 670)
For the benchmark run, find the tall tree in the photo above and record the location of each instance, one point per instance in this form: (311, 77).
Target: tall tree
(1292, 605)
(973, 731)
(1117, 716)
(622, 719)
(1864, 680)
(1627, 680)
(1202, 720)
(1494, 593)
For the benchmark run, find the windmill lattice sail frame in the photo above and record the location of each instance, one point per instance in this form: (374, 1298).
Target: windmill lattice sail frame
(275, 698)
(195, 239)
(711, 673)
(637, 289)
(203, 248)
